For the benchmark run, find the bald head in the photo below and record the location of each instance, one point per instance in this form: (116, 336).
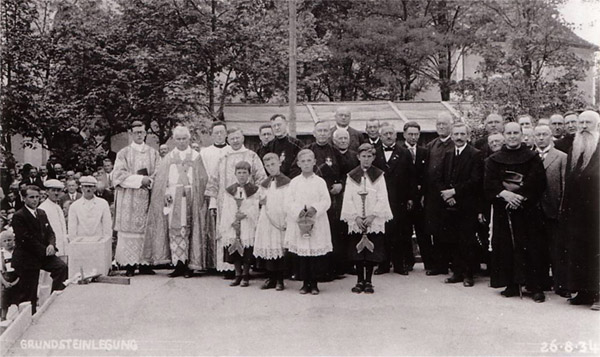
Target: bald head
(443, 124)
(342, 116)
(341, 139)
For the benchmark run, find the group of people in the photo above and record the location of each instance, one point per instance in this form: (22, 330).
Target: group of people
(522, 199)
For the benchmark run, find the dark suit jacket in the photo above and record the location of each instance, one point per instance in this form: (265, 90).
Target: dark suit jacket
(466, 177)
(6, 206)
(32, 237)
(36, 182)
(565, 144)
(400, 177)
(65, 197)
(420, 166)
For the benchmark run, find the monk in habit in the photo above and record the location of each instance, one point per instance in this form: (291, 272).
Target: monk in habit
(175, 232)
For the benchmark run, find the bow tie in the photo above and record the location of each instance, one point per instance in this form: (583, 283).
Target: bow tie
(388, 148)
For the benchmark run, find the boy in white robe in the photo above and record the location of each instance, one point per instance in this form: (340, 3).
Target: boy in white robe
(270, 231)
(237, 227)
(366, 209)
(308, 197)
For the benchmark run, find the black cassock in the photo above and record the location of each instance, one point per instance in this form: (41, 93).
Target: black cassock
(580, 224)
(517, 245)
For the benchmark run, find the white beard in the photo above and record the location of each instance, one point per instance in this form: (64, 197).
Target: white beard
(585, 144)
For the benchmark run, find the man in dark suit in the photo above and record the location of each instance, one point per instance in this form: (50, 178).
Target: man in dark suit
(11, 200)
(416, 216)
(35, 248)
(494, 123)
(72, 193)
(566, 142)
(400, 179)
(437, 150)
(33, 178)
(460, 186)
(371, 134)
(342, 121)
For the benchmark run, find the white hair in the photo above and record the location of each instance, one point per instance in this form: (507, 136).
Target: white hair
(180, 129)
(340, 131)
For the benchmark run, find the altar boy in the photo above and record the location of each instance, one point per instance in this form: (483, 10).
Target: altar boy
(307, 234)
(270, 231)
(366, 209)
(238, 223)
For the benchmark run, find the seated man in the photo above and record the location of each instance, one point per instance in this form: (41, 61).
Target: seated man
(35, 248)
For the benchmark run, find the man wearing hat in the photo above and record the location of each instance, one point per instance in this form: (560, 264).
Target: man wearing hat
(55, 214)
(514, 182)
(89, 216)
(134, 166)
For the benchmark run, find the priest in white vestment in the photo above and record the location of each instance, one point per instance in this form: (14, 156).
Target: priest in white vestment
(131, 177)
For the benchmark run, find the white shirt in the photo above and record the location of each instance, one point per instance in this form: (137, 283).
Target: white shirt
(444, 139)
(388, 153)
(90, 218)
(459, 150)
(32, 211)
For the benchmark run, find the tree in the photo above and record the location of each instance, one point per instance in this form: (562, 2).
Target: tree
(528, 65)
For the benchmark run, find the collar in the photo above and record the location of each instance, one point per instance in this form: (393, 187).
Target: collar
(32, 211)
(408, 146)
(513, 156)
(342, 127)
(249, 188)
(182, 152)
(545, 151)
(220, 146)
(392, 147)
(373, 142)
(280, 180)
(138, 147)
(242, 149)
(343, 151)
(460, 149)
(372, 172)
(444, 139)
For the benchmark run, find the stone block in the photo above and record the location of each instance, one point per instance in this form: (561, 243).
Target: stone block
(91, 254)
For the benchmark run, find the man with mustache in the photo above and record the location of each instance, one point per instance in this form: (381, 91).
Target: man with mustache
(580, 212)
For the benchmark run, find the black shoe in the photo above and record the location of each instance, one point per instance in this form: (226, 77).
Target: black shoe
(146, 270)
(582, 298)
(245, 282)
(130, 271)
(279, 286)
(454, 279)
(369, 288)
(269, 284)
(468, 282)
(435, 272)
(188, 273)
(381, 270)
(237, 281)
(510, 291)
(539, 297)
(305, 289)
(358, 288)
(563, 293)
(314, 290)
(177, 272)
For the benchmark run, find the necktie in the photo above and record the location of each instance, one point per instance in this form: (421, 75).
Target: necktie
(413, 153)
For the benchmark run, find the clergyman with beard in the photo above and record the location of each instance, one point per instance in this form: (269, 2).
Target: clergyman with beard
(580, 212)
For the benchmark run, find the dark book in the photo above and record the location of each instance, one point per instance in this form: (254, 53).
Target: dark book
(143, 172)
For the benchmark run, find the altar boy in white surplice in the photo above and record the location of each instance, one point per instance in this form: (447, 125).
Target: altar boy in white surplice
(308, 234)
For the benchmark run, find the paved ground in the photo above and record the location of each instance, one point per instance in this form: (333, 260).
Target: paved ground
(414, 315)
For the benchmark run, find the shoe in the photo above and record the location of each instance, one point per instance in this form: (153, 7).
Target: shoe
(563, 293)
(236, 281)
(582, 298)
(358, 288)
(269, 284)
(175, 273)
(146, 270)
(305, 289)
(510, 291)
(380, 271)
(245, 283)
(401, 271)
(539, 297)
(435, 272)
(368, 288)
(188, 273)
(279, 286)
(314, 290)
(130, 272)
(454, 279)
(468, 282)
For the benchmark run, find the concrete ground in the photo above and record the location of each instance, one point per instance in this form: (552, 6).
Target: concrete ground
(407, 315)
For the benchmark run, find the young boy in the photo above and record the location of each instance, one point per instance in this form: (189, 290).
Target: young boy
(366, 209)
(270, 231)
(238, 223)
(308, 196)
(8, 275)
